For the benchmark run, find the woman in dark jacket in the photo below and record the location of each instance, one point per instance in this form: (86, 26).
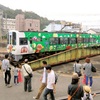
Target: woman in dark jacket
(75, 86)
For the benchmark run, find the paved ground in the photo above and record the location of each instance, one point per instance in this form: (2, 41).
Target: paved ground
(16, 92)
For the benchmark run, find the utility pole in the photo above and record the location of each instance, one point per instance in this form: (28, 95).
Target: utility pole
(6, 22)
(1, 24)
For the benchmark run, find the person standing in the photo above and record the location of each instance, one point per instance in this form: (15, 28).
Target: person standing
(87, 71)
(75, 89)
(15, 70)
(26, 68)
(7, 70)
(77, 67)
(43, 79)
(50, 88)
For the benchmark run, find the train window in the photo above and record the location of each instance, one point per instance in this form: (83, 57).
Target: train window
(14, 38)
(86, 40)
(54, 41)
(72, 40)
(92, 40)
(79, 40)
(63, 40)
(23, 41)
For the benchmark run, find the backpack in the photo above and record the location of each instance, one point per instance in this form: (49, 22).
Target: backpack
(56, 78)
(93, 69)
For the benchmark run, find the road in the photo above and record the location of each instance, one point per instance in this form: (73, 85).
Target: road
(16, 92)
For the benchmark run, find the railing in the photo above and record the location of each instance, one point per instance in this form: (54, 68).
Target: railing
(65, 56)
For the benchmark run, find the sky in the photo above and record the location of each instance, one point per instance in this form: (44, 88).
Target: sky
(80, 11)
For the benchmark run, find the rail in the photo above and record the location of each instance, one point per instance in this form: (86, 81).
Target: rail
(65, 56)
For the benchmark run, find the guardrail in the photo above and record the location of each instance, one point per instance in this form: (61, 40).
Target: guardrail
(65, 56)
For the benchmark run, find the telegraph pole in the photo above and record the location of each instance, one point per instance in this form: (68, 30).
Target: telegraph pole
(1, 24)
(6, 22)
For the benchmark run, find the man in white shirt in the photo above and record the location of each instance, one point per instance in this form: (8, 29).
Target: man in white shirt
(26, 68)
(43, 80)
(50, 88)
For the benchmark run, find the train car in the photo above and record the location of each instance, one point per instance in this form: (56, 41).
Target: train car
(21, 44)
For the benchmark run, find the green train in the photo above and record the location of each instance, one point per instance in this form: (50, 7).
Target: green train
(21, 44)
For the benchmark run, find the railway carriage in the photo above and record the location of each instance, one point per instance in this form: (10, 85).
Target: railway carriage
(22, 44)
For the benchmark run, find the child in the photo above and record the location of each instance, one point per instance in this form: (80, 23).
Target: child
(87, 93)
(15, 74)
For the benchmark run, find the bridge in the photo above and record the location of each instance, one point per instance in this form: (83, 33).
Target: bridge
(66, 56)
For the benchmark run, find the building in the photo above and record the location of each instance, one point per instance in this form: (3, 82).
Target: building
(73, 27)
(8, 24)
(23, 24)
(1, 23)
(32, 25)
(19, 23)
(52, 27)
(94, 31)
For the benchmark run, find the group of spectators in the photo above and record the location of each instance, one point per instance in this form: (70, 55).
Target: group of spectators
(47, 79)
(75, 90)
(25, 69)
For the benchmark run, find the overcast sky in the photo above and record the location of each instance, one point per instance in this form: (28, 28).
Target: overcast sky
(68, 10)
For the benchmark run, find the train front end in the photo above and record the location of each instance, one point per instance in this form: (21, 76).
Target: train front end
(17, 45)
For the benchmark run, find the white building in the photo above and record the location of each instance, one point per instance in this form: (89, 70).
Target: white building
(94, 31)
(52, 27)
(8, 24)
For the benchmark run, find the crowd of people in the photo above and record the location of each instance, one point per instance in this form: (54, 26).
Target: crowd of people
(76, 91)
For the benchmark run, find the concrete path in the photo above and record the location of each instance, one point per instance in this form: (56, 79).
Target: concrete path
(16, 92)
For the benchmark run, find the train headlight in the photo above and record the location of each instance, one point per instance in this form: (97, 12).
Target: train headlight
(13, 49)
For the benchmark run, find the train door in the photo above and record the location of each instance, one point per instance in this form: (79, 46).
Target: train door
(11, 41)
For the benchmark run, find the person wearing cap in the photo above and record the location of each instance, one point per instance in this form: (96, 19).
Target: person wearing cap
(87, 93)
(75, 86)
(87, 71)
(27, 79)
(50, 88)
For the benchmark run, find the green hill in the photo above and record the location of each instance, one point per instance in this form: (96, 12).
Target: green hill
(31, 15)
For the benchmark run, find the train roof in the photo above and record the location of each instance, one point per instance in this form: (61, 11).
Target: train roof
(51, 32)
(57, 32)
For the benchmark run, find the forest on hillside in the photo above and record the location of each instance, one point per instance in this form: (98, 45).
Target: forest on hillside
(28, 14)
